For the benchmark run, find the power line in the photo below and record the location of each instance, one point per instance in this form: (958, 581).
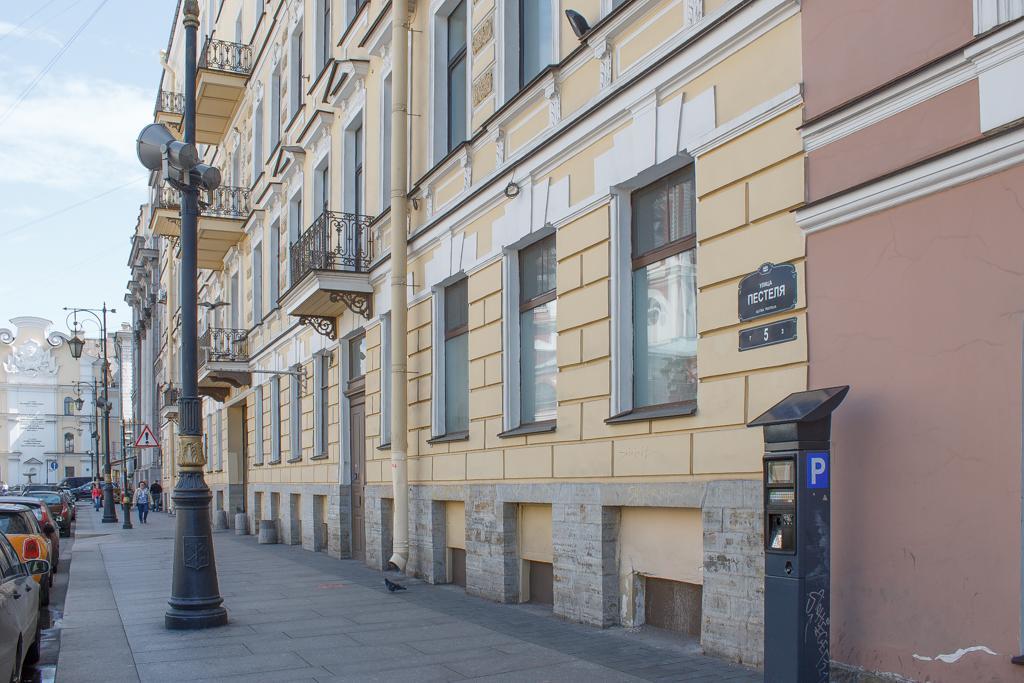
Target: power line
(49, 65)
(71, 207)
(27, 19)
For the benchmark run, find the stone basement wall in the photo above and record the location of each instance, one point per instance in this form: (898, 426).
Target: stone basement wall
(585, 528)
(338, 515)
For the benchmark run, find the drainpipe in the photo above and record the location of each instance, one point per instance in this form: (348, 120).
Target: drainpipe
(399, 298)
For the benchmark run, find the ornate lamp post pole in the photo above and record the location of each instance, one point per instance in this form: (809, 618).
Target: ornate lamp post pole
(76, 344)
(195, 600)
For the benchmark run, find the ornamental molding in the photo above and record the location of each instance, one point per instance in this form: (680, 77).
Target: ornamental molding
(31, 359)
(324, 325)
(360, 303)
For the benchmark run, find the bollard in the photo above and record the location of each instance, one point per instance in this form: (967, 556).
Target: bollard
(268, 531)
(220, 520)
(241, 524)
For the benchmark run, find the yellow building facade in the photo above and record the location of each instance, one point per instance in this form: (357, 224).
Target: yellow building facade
(581, 210)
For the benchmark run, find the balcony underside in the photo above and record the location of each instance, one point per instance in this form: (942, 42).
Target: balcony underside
(218, 94)
(218, 378)
(171, 120)
(322, 296)
(166, 222)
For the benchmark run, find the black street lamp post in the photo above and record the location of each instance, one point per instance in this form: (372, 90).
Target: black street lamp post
(77, 344)
(195, 601)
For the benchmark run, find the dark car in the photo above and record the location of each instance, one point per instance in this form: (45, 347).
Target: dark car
(83, 492)
(60, 490)
(44, 516)
(58, 506)
(76, 482)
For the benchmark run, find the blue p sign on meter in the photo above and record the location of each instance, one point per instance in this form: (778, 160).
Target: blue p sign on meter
(817, 470)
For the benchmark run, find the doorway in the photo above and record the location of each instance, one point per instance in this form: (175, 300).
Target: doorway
(355, 392)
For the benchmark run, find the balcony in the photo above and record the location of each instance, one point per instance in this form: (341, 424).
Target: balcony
(169, 403)
(169, 109)
(223, 362)
(329, 268)
(222, 213)
(224, 69)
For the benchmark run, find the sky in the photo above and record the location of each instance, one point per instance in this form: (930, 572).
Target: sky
(70, 183)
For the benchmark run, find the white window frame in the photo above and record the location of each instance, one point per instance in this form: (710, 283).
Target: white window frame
(354, 126)
(385, 140)
(323, 48)
(258, 424)
(321, 190)
(622, 277)
(296, 60)
(235, 299)
(257, 141)
(257, 283)
(275, 420)
(295, 415)
(438, 402)
(507, 44)
(438, 42)
(296, 216)
(512, 343)
(276, 128)
(274, 254)
(385, 379)
(321, 365)
(220, 441)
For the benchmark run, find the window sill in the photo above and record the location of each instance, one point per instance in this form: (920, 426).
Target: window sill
(322, 456)
(532, 428)
(384, 446)
(448, 438)
(682, 409)
(291, 460)
(276, 462)
(257, 464)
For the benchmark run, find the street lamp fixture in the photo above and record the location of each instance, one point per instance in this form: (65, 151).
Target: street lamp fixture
(76, 344)
(195, 601)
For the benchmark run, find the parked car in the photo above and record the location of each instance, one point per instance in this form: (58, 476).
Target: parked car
(83, 492)
(41, 511)
(22, 530)
(59, 507)
(19, 609)
(75, 482)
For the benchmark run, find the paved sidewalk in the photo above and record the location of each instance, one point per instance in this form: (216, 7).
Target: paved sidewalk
(303, 616)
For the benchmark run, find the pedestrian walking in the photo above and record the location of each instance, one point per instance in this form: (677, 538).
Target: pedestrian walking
(141, 501)
(155, 490)
(97, 495)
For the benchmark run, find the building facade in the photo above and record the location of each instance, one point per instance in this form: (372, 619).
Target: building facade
(913, 215)
(48, 415)
(580, 213)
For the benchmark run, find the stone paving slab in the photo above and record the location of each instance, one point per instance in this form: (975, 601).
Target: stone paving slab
(302, 616)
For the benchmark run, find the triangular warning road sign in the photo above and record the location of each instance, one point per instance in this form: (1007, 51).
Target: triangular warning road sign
(146, 439)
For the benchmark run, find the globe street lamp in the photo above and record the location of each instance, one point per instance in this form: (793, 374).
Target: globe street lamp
(195, 600)
(76, 345)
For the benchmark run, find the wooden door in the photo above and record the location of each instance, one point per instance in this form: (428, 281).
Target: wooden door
(357, 445)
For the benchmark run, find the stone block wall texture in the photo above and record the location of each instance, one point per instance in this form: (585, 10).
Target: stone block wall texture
(733, 600)
(426, 537)
(378, 525)
(492, 563)
(585, 545)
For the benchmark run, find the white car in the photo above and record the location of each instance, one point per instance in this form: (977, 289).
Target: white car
(19, 610)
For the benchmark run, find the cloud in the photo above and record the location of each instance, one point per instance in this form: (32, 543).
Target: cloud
(9, 30)
(72, 133)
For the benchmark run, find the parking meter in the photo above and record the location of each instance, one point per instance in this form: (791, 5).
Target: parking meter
(797, 535)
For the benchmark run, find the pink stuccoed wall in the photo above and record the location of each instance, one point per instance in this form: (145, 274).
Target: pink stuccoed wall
(853, 46)
(920, 309)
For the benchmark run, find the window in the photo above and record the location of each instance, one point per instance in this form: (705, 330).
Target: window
(295, 416)
(69, 443)
(207, 440)
(322, 188)
(275, 263)
(536, 39)
(296, 74)
(385, 152)
(538, 364)
(257, 142)
(357, 357)
(220, 440)
(357, 170)
(663, 264)
(275, 419)
(456, 358)
(456, 78)
(385, 381)
(322, 380)
(275, 108)
(324, 35)
(257, 283)
(294, 228)
(258, 424)
(69, 405)
(235, 303)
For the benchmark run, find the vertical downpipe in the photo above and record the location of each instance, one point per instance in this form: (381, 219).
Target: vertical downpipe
(399, 297)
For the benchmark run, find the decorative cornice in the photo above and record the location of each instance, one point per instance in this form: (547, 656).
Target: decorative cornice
(960, 166)
(747, 121)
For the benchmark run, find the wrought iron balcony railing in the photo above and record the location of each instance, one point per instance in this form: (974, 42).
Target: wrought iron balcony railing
(225, 202)
(170, 102)
(336, 242)
(221, 55)
(223, 345)
(165, 196)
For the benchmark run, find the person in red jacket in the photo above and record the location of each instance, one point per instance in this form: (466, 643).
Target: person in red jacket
(97, 495)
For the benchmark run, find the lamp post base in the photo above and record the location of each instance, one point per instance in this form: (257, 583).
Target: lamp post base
(109, 511)
(126, 510)
(193, 620)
